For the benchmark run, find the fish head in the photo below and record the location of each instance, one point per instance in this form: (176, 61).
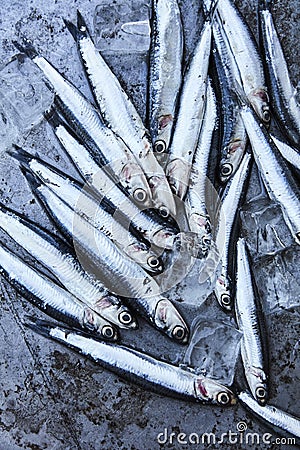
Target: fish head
(162, 140)
(223, 292)
(115, 312)
(164, 238)
(133, 177)
(200, 224)
(234, 153)
(162, 197)
(257, 381)
(168, 319)
(209, 390)
(145, 257)
(259, 100)
(93, 322)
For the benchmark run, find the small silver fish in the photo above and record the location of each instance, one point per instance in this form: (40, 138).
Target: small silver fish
(282, 92)
(247, 314)
(165, 73)
(108, 150)
(119, 114)
(190, 115)
(272, 415)
(144, 369)
(56, 255)
(224, 239)
(198, 218)
(279, 183)
(51, 298)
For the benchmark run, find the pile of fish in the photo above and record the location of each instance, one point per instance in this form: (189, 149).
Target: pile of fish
(120, 225)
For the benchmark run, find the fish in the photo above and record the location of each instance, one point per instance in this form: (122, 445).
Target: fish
(224, 238)
(108, 150)
(246, 55)
(58, 257)
(121, 276)
(140, 367)
(121, 116)
(196, 210)
(272, 415)
(190, 114)
(147, 227)
(51, 298)
(277, 178)
(283, 99)
(248, 315)
(165, 73)
(289, 153)
(80, 201)
(234, 137)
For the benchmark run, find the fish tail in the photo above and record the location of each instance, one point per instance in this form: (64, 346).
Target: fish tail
(264, 5)
(26, 47)
(78, 31)
(39, 326)
(20, 155)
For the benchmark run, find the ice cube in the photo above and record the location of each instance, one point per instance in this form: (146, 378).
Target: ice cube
(24, 98)
(214, 347)
(264, 228)
(122, 27)
(277, 279)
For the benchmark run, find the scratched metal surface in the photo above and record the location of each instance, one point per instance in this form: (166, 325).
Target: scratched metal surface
(51, 398)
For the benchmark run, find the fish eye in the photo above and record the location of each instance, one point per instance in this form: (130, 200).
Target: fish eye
(108, 332)
(140, 195)
(160, 146)
(261, 393)
(178, 333)
(266, 115)
(206, 240)
(125, 317)
(223, 398)
(164, 212)
(153, 262)
(226, 300)
(226, 169)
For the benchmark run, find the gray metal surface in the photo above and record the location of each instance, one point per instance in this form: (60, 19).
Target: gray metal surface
(51, 398)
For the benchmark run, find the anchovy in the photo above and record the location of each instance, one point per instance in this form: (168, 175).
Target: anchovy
(119, 113)
(289, 153)
(166, 52)
(108, 150)
(198, 218)
(245, 52)
(247, 312)
(276, 176)
(144, 369)
(147, 227)
(272, 415)
(224, 240)
(190, 115)
(51, 298)
(59, 258)
(120, 275)
(284, 103)
(81, 202)
(234, 136)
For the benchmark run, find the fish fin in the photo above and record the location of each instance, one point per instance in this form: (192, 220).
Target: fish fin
(209, 12)
(20, 154)
(31, 179)
(26, 47)
(72, 29)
